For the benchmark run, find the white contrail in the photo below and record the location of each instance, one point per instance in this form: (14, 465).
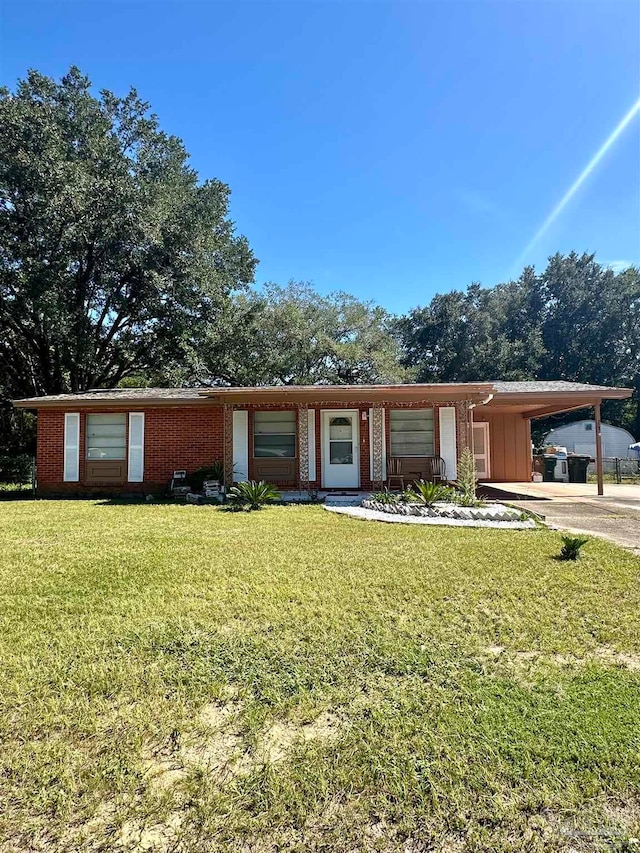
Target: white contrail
(573, 189)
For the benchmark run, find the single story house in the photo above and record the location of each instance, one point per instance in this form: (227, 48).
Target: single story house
(318, 436)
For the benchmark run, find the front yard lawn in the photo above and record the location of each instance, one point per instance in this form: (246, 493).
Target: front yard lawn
(183, 678)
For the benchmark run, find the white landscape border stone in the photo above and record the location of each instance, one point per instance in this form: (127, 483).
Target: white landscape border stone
(447, 509)
(448, 515)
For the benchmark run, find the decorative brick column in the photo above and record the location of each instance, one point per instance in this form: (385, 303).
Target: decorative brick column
(303, 445)
(227, 451)
(464, 420)
(377, 443)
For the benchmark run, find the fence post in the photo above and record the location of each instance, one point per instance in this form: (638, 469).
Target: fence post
(618, 471)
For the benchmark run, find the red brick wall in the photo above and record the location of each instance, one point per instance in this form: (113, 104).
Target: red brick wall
(174, 437)
(179, 437)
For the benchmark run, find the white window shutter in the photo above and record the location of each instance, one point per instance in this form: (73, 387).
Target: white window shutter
(240, 445)
(136, 447)
(311, 442)
(448, 443)
(71, 472)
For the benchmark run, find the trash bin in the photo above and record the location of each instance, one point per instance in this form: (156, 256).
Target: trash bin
(578, 466)
(549, 472)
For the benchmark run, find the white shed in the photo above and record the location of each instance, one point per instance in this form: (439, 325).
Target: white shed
(580, 437)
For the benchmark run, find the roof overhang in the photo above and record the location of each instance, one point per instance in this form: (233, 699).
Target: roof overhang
(540, 404)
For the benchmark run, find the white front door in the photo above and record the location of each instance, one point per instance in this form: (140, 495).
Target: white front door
(481, 450)
(340, 449)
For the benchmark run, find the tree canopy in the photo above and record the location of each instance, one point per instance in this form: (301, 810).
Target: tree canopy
(294, 336)
(110, 248)
(577, 320)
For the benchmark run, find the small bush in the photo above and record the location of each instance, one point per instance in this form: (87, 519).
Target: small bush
(384, 497)
(215, 471)
(572, 547)
(253, 495)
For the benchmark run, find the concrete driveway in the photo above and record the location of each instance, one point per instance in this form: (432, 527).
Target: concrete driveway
(578, 507)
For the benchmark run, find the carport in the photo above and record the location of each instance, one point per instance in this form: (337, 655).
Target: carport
(514, 405)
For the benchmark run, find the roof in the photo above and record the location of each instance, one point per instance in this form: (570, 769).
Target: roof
(172, 396)
(98, 395)
(524, 396)
(544, 386)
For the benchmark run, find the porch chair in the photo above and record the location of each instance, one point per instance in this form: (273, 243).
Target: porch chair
(394, 472)
(436, 469)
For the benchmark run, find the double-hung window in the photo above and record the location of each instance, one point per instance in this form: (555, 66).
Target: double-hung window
(274, 434)
(106, 436)
(411, 432)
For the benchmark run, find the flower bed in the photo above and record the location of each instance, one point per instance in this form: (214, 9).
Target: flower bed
(489, 512)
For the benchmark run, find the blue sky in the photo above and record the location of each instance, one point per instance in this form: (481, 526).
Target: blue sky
(392, 150)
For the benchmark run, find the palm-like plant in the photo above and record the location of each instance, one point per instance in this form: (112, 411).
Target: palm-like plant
(253, 495)
(572, 547)
(429, 493)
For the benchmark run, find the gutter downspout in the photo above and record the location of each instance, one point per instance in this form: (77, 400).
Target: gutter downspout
(472, 406)
(482, 402)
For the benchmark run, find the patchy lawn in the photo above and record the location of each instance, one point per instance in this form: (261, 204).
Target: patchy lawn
(182, 678)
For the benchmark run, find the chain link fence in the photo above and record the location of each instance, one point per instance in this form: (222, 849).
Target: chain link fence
(617, 469)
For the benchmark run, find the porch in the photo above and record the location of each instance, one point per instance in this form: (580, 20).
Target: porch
(343, 445)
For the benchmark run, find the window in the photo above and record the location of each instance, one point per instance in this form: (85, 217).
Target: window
(274, 434)
(411, 432)
(106, 436)
(588, 427)
(340, 441)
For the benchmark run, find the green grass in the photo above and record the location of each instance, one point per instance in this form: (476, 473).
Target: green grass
(183, 678)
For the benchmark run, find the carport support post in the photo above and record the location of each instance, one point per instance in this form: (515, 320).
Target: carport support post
(596, 409)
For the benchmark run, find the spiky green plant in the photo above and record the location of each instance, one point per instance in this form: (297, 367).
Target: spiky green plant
(572, 547)
(428, 493)
(253, 495)
(467, 478)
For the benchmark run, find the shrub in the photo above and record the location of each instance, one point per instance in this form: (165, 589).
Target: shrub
(384, 497)
(15, 469)
(572, 547)
(429, 493)
(253, 495)
(215, 471)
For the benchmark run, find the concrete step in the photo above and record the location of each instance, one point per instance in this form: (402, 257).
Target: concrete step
(354, 499)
